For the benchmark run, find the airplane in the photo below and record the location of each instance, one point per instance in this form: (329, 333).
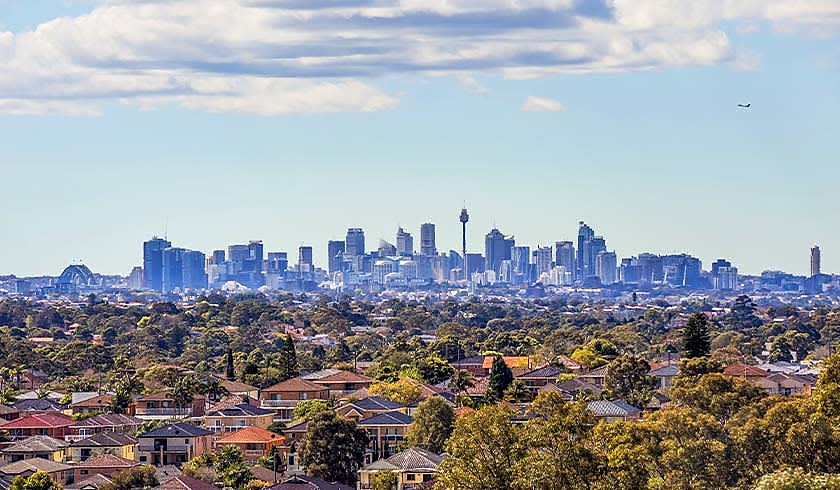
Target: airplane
(745, 106)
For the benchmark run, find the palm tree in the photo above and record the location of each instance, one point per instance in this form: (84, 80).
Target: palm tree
(7, 396)
(461, 381)
(213, 388)
(517, 392)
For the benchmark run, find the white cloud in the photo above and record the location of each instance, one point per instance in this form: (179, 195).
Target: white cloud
(538, 104)
(290, 56)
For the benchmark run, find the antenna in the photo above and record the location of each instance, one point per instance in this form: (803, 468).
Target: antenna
(166, 229)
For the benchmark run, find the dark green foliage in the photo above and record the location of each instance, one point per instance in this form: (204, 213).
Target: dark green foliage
(333, 449)
(500, 378)
(627, 378)
(695, 341)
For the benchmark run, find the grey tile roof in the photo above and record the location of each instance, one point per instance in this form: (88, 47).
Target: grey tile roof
(612, 408)
(387, 418)
(177, 430)
(240, 410)
(36, 444)
(105, 439)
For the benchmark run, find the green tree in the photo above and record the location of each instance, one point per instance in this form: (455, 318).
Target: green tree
(229, 371)
(39, 480)
(627, 378)
(434, 420)
(695, 341)
(231, 468)
(383, 480)
(307, 409)
(287, 362)
(435, 369)
(500, 378)
(719, 395)
(797, 479)
(483, 451)
(517, 392)
(138, 477)
(334, 448)
(404, 391)
(461, 381)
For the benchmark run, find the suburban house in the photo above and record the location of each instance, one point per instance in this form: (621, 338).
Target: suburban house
(94, 405)
(238, 388)
(105, 465)
(36, 447)
(386, 432)
(56, 425)
(174, 444)
(517, 364)
(536, 379)
(8, 413)
(474, 365)
(94, 482)
(665, 376)
(366, 407)
(237, 417)
(254, 442)
(415, 469)
(116, 444)
(595, 376)
(339, 382)
(303, 482)
(613, 410)
(106, 422)
(571, 389)
(31, 406)
(184, 482)
(282, 397)
(59, 472)
(162, 406)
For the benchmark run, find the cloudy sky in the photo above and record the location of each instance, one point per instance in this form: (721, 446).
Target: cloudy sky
(290, 120)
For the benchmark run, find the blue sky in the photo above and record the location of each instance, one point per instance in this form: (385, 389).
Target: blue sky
(379, 113)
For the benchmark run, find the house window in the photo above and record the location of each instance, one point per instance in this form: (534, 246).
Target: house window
(411, 477)
(142, 459)
(304, 396)
(83, 472)
(186, 441)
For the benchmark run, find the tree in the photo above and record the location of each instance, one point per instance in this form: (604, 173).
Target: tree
(307, 409)
(483, 450)
(231, 468)
(383, 480)
(435, 369)
(461, 381)
(696, 341)
(797, 479)
(229, 372)
(500, 378)
(517, 392)
(627, 378)
(287, 362)
(213, 388)
(717, 394)
(434, 420)
(137, 477)
(334, 448)
(404, 391)
(40, 480)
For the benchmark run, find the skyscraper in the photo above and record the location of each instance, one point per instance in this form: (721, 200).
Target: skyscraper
(153, 263)
(521, 264)
(354, 243)
(405, 243)
(173, 269)
(386, 249)
(305, 259)
(585, 235)
(218, 257)
(606, 267)
(277, 263)
(497, 247)
(194, 273)
(335, 252)
(542, 260)
(564, 256)
(815, 260)
(427, 240)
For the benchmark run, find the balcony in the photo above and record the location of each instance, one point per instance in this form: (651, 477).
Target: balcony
(169, 448)
(273, 404)
(163, 412)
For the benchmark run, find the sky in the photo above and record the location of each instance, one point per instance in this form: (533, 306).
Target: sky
(224, 121)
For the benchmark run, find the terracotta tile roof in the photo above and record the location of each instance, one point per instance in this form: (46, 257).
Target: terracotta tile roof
(107, 461)
(294, 385)
(251, 434)
(303, 482)
(184, 482)
(336, 376)
(511, 361)
(39, 421)
(234, 386)
(4, 410)
(96, 481)
(739, 369)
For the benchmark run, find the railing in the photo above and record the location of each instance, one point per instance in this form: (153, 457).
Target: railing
(163, 411)
(169, 448)
(278, 403)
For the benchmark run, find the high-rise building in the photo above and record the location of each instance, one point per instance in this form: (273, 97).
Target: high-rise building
(335, 252)
(815, 261)
(218, 257)
(194, 273)
(305, 259)
(726, 278)
(277, 263)
(153, 263)
(497, 247)
(386, 249)
(473, 263)
(543, 260)
(606, 267)
(173, 269)
(405, 243)
(135, 279)
(584, 265)
(354, 243)
(564, 256)
(427, 240)
(521, 264)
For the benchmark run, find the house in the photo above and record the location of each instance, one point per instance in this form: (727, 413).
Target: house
(36, 447)
(744, 371)
(8, 413)
(174, 444)
(339, 382)
(613, 410)
(56, 425)
(94, 405)
(122, 445)
(94, 482)
(790, 384)
(105, 465)
(282, 397)
(595, 376)
(366, 407)
(162, 406)
(238, 388)
(38, 405)
(572, 389)
(59, 472)
(536, 379)
(474, 365)
(254, 442)
(184, 482)
(664, 376)
(237, 417)
(415, 469)
(517, 364)
(106, 422)
(303, 482)
(386, 432)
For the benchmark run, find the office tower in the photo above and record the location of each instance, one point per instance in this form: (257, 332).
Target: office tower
(473, 263)
(354, 243)
(542, 259)
(564, 256)
(650, 266)
(497, 247)
(277, 263)
(254, 262)
(681, 270)
(193, 271)
(585, 235)
(386, 249)
(726, 278)
(815, 260)
(596, 246)
(718, 264)
(405, 243)
(173, 269)
(629, 272)
(153, 263)
(606, 267)
(521, 264)
(305, 259)
(464, 218)
(135, 279)
(218, 257)
(335, 253)
(381, 268)
(441, 265)
(427, 240)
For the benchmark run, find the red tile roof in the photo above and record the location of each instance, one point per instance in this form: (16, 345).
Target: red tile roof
(511, 361)
(39, 421)
(745, 370)
(295, 384)
(251, 434)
